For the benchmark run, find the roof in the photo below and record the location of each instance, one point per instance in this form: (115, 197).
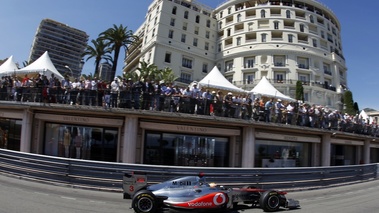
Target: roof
(42, 65)
(265, 88)
(8, 66)
(216, 80)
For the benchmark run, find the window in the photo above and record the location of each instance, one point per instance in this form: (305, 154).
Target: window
(207, 34)
(311, 19)
(196, 31)
(238, 41)
(153, 33)
(185, 26)
(187, 63)
(228, 32)
(221, 14)
(303, 78)
(264, 37)
(206, 46)
(172, 22)
(205, 68)
(322, 34)
(288, 14)
(249, 62)
(208, 23)
(314, 41)
(239, 17)
(195, 42)
(167, 58)
(279, 77)
(301, 27)
(220, 25)
(276, 25)
(250, 26)
(250, 78)
(170, 34)
(229, 10)
(186, 14)
(290, 38)
(303, 63)
(183, 38)
(229, 66)
(197, 19)
(185, 77)
(279, 60)
(263, 14)
(174, 10)
(216, 155)
(219, 47)
(155, 20)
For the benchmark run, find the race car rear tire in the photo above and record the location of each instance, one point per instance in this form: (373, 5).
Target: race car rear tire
(144, 202)
(270, 201)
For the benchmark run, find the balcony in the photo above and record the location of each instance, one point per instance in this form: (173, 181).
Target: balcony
(279, 64)
(303, 66)
(328, 72)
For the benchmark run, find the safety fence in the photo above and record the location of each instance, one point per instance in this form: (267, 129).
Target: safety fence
(108, 176)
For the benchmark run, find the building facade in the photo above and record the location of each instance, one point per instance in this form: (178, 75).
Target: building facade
(177, 139)
(65, 44)
(285, 40)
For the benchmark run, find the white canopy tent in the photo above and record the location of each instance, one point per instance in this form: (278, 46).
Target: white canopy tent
(265, 88)
(216, 80)
(42, 65)
(9, 66)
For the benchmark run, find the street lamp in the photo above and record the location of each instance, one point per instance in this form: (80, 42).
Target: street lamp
(72, 74)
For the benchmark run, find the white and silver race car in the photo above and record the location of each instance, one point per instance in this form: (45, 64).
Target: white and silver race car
(194, 193)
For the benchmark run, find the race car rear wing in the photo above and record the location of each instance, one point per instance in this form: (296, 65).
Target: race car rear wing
(133, 182)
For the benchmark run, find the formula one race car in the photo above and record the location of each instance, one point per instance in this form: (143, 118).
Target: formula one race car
(194, 193)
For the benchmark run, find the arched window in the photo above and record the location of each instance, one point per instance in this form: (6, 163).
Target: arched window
(208, 23)
(290, 38)
(288, 14)
(239, 17)
(276, 25)
(174, 10)
(311, 19)
(264, 37)
(197, 19)
(263, 14)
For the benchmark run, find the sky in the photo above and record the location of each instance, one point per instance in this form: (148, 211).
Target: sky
(19, 20)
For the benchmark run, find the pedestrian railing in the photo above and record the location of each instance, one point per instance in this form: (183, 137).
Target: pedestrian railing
(108, 176)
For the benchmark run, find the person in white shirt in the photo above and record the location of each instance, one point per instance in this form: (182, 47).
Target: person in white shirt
(115, 87)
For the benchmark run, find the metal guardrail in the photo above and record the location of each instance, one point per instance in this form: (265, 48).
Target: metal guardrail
(108, 176)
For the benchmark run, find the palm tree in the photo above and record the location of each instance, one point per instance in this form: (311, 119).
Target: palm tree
(99, 50)
(115, 38)
(147, 71)
(167, 74)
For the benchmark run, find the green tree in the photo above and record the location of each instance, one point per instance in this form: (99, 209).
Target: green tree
(299, 91)
(349, 103)
(147, 71)
(168, 75)
(116, 38)
(99, 51)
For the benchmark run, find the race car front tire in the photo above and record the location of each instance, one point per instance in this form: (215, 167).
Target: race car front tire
(270, 201)
(144, 201)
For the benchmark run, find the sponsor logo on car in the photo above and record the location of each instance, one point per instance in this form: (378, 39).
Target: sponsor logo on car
(200, 204)
(219, 199)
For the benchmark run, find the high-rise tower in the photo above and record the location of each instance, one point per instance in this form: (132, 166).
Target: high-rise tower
(65, 45)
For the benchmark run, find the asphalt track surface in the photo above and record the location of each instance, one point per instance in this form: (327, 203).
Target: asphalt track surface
(24, 196)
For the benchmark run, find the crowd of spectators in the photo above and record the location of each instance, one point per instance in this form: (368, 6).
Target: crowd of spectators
(161, 96)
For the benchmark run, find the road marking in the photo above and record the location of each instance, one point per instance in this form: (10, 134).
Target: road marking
(92, 201)
(68, 198)
(40, 193)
